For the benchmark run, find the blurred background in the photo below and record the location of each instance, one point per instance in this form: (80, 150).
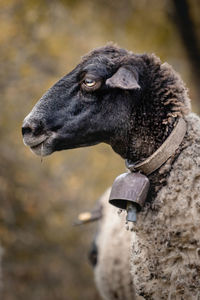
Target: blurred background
(42, 255)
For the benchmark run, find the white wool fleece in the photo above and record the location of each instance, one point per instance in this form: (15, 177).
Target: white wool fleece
(165, 260)
(112, 272)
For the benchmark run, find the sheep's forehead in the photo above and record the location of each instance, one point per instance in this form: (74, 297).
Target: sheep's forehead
(106, 52)
(98, 65)
(103, 60)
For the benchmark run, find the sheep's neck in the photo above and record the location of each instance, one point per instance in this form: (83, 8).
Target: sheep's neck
(157, 178)
(163, 153)
(147, 138)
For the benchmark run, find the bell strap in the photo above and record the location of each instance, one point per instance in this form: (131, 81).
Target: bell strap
(163, 153)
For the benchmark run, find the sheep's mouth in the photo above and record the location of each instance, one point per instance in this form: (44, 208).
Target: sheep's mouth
(46, 145)
(38, 148)
(40, 145)
(41, 148)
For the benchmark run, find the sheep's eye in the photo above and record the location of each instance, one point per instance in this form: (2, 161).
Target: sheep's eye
(89, 82)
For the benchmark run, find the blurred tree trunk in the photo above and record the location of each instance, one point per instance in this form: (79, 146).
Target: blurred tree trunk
(1, 254)
(186, 28)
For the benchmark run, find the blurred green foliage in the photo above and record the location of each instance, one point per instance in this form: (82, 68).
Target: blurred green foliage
(45, 257)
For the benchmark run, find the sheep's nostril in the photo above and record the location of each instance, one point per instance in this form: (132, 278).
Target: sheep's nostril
(34, 128)
(26, 130)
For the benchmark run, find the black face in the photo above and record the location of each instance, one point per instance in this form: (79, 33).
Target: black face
(90, 105)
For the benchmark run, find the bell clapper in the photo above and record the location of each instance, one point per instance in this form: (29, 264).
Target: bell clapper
(131, 212)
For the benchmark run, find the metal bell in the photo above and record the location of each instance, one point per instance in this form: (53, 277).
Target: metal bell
(129, 191)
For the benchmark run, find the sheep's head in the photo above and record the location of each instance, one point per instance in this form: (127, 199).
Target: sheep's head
(101, 100)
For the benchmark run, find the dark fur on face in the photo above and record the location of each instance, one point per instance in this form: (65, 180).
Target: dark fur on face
(113, 96)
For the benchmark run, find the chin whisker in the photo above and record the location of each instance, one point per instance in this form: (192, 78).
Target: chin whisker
(42, 151)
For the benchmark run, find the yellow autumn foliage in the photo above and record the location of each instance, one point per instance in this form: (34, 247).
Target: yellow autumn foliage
(45, 257)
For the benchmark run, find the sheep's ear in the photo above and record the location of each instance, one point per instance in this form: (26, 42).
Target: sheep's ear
(88, 217)
(124, 79)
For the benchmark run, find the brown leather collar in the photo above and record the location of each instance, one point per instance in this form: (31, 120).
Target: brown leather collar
(162, 154)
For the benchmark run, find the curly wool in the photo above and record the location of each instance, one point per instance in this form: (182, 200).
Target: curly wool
(166, 244)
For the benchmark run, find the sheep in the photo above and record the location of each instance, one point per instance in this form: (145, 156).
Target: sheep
(133, 103)
(110, 251)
